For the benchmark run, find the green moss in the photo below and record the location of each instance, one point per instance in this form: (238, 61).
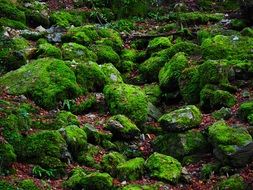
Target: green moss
(84, 106)
(122, 127)
(96, 181)
(73, 182)
(27, 184)
(46, 81)
(111, 160)
(106, 54)
(48, 50)
(223, 113)
(129, 55)
(212, 97)
(164, 167)
(247, 32)
(45, 143)
(181, 119)
(6, 186)
(150, 68)
(73, 51)
(131, 170)
(65, 118)
(76, 139)
(170, 73)
(246, 109)
(208, 169)
(7, 156)
(179, 145)
(36, 17)
(12, 23)
(159, 43)
(66, 19)
(128, 100)
(189, 81)
(112, 75)
(153, 93)
(234, 183)
(140, 187)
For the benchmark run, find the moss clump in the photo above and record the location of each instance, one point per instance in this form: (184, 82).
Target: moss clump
(164, 167)
(212, 97)
(122, 127)
(46, 81)
(106, 54)
(153, 93)
(158, 44)
(227, 141)
(73, 182)
(247, 32)
(65, 118)
(234, 182)
(7, 186)
(129, 55)
(84, 106)
(140, 187)
(110, 162)
(45, 143)
(223, 113)
(48, 50)
(7, 156)
(208, 169)
(73, 51)
(181, 119)
(66, 19)
(27, 184)
(12, 24)
(128, 100)
(246, 109)
(131, 170)
(112, 75)
(151, 67)
(170, 73)
(179, 145)
(189, 85)
(76, 139)
(90, 76)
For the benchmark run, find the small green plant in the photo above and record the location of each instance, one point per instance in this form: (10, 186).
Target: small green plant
(42, 173)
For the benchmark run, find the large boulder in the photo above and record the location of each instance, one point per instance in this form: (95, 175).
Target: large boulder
(181, 119)
(46, 81)
(128, 100)
(164, 167)
(232, 145)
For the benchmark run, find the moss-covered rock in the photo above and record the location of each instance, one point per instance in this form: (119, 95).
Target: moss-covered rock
(228, 142)
(181, 119)
(164, 167)
(63, 119)
(158, 44)
(140, 187)
(246, 109)
(76, 139)
(6, 185)
(131, 170)
(129, 55)
(150, 68)
(179, 145)
(112, 75)
(234, 182)
(170, 73)
(90, 76)
(208, 169)
(122, 127)
(223, 113)
(48, 50)
(27, 184)
(247, 32)
(46, 81)
(73, 51)
(128, 100)
(74, 181)
(189, 85)
(7, 155)
(106, 54)
(153, 93)
(110, 162)
(211, 97)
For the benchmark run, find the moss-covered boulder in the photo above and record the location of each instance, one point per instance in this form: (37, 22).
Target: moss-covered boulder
(181, 119)
(223, 113)
(153, 93)
(246, 109)
(128, 100)
(164, 168)
(89, 76)
(27, 184)
(106, 54)
(170, 73)
(110, 162)
(76, 139)
(112, 75)
(227, 47)
(6, 185)
(74, 180)
(7, 156)
(234, 182)
(131, 170)
(189, 85)
(129, 55)
(211, 97)
(158, 44)
(48, 50)
(231, 144)
(122, 127)
(141, 187)
(73, 51)
(179, 145)
(63, 119)
(46, 81)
